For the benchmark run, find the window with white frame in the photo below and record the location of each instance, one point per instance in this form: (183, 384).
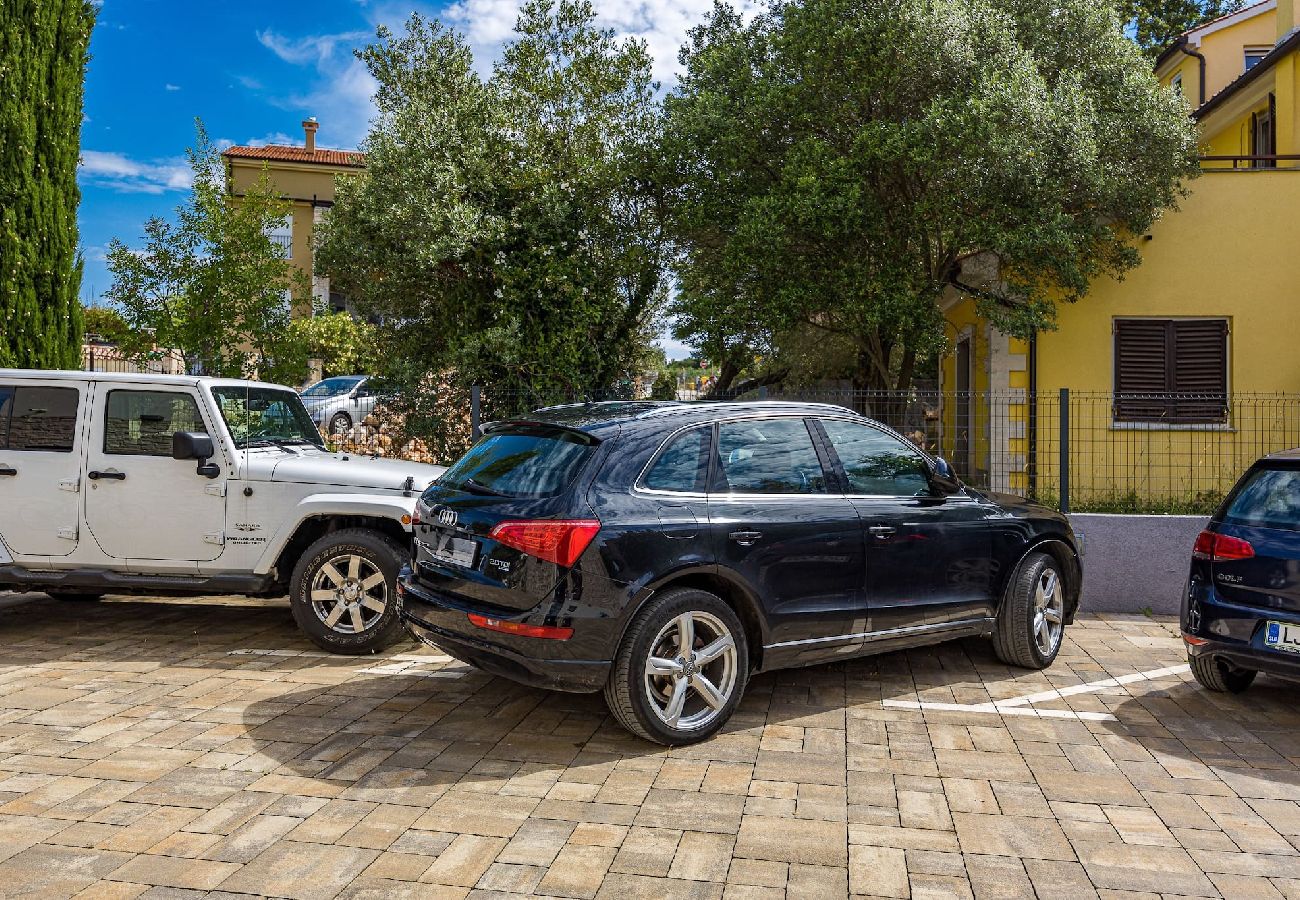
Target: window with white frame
(281, 234)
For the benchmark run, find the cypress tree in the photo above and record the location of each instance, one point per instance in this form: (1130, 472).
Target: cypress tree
(43, 53)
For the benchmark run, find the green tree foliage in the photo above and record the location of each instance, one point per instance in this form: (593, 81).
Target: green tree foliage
(43, 54)
(105, 322)
(1155, 24)
(343, 344)
(838, 160)
(506, 229)
(213, 285)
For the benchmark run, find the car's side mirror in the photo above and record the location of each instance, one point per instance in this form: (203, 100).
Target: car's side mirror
(197, 446)
(942, 478)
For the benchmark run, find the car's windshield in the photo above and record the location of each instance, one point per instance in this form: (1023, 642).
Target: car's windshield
(520, 461)
(332, 387)
(265, 416)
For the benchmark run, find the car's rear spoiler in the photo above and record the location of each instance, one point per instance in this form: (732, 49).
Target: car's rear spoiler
(502, 424)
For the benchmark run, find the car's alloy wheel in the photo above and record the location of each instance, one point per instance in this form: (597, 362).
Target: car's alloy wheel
(680, 670)
(343, 590)
(340, 423)
(1030, 623)
(691, 670)
(1049, 612)
(349, 594)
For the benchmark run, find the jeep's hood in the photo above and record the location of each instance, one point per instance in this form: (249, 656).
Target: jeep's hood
(341, 470)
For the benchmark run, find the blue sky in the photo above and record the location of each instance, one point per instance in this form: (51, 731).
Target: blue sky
(253, 71)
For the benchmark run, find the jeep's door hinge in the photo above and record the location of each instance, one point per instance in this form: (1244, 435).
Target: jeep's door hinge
(215, 537)
(216, 490)
(72, 485)
(68, 532)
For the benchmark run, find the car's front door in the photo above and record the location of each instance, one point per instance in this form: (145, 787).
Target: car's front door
(929, 558)
(40, 465)
(775, 522)
(140, 503)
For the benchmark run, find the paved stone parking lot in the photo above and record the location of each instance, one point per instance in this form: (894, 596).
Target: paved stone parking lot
(203, 748)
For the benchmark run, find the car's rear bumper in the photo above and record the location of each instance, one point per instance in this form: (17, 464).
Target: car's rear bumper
(436, 619)
(1235, 632)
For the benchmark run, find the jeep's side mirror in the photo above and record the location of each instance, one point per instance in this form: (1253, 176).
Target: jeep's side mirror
(942, 477)
(197, 446)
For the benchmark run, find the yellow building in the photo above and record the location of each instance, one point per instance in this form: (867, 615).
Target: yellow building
(305, 177)
(1162, 365)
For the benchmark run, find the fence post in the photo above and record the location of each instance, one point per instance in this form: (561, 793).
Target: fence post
(475, 398)
(1065, 450)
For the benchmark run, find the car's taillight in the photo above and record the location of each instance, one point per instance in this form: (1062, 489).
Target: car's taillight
(554, 632)
(1221, 546)
(560, 541)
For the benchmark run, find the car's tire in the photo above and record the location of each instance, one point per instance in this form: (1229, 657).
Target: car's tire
(76, 596)
(1025, 634)
(342, 564)
(644, 703)
(340, 423)
(1216, 675)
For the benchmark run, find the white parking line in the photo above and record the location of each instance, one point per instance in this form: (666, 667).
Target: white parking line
(1020, 706)
(397, 664)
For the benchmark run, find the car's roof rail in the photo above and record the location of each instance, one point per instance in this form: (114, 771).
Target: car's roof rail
(671, 407)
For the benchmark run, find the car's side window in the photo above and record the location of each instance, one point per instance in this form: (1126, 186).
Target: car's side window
(141, 423)
(877, 463)
(769, 456)
(6, 407)
(38, 418)
(683, 465)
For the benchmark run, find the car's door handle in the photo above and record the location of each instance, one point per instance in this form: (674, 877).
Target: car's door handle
(883, 531)
(746, 538)
(116, 476)
(8, 470)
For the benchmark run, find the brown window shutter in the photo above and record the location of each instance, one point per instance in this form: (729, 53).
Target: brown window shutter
(1141, 369)
(1200, 371)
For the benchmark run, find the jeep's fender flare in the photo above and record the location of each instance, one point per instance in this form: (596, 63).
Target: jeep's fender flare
(319, 506)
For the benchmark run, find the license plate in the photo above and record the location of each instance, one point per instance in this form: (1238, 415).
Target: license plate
(1282, 636)
(457, 551)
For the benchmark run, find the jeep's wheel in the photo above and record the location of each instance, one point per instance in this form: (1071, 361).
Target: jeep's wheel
(681, 669)
(1031, 619)
(76, 596)
(341, 423)
(344, 591)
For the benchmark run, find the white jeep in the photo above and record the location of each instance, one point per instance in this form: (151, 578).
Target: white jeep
(157, 484)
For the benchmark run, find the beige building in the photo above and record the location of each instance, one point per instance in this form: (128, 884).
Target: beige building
(305, 177)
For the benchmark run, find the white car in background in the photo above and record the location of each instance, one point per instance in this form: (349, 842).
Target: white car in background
(336, 404)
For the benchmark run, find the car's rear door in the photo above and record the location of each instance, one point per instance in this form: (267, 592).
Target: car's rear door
(41, 446)
(775, 521)
(1260, 565)
(929, 559)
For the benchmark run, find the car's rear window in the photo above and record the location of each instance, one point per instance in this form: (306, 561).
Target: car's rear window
(1270, 498)
(520, 461)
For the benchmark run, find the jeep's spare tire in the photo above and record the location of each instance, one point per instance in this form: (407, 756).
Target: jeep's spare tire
(344, 591)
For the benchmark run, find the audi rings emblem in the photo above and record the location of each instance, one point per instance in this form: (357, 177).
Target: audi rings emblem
(447, 517)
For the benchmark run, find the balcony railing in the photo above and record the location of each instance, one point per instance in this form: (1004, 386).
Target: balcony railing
(1287, 161)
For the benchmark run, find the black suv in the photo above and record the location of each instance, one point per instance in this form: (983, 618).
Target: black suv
(665, 552)
(1241, 613)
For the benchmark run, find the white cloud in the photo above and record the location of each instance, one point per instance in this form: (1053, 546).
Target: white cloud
(125, 175)
(275, 137)
(317, 48)
(662, 24)
(172, 87)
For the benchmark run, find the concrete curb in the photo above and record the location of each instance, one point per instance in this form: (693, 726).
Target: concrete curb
(1132, 563)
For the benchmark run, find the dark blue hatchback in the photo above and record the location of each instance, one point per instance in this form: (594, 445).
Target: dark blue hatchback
(1241, 615)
